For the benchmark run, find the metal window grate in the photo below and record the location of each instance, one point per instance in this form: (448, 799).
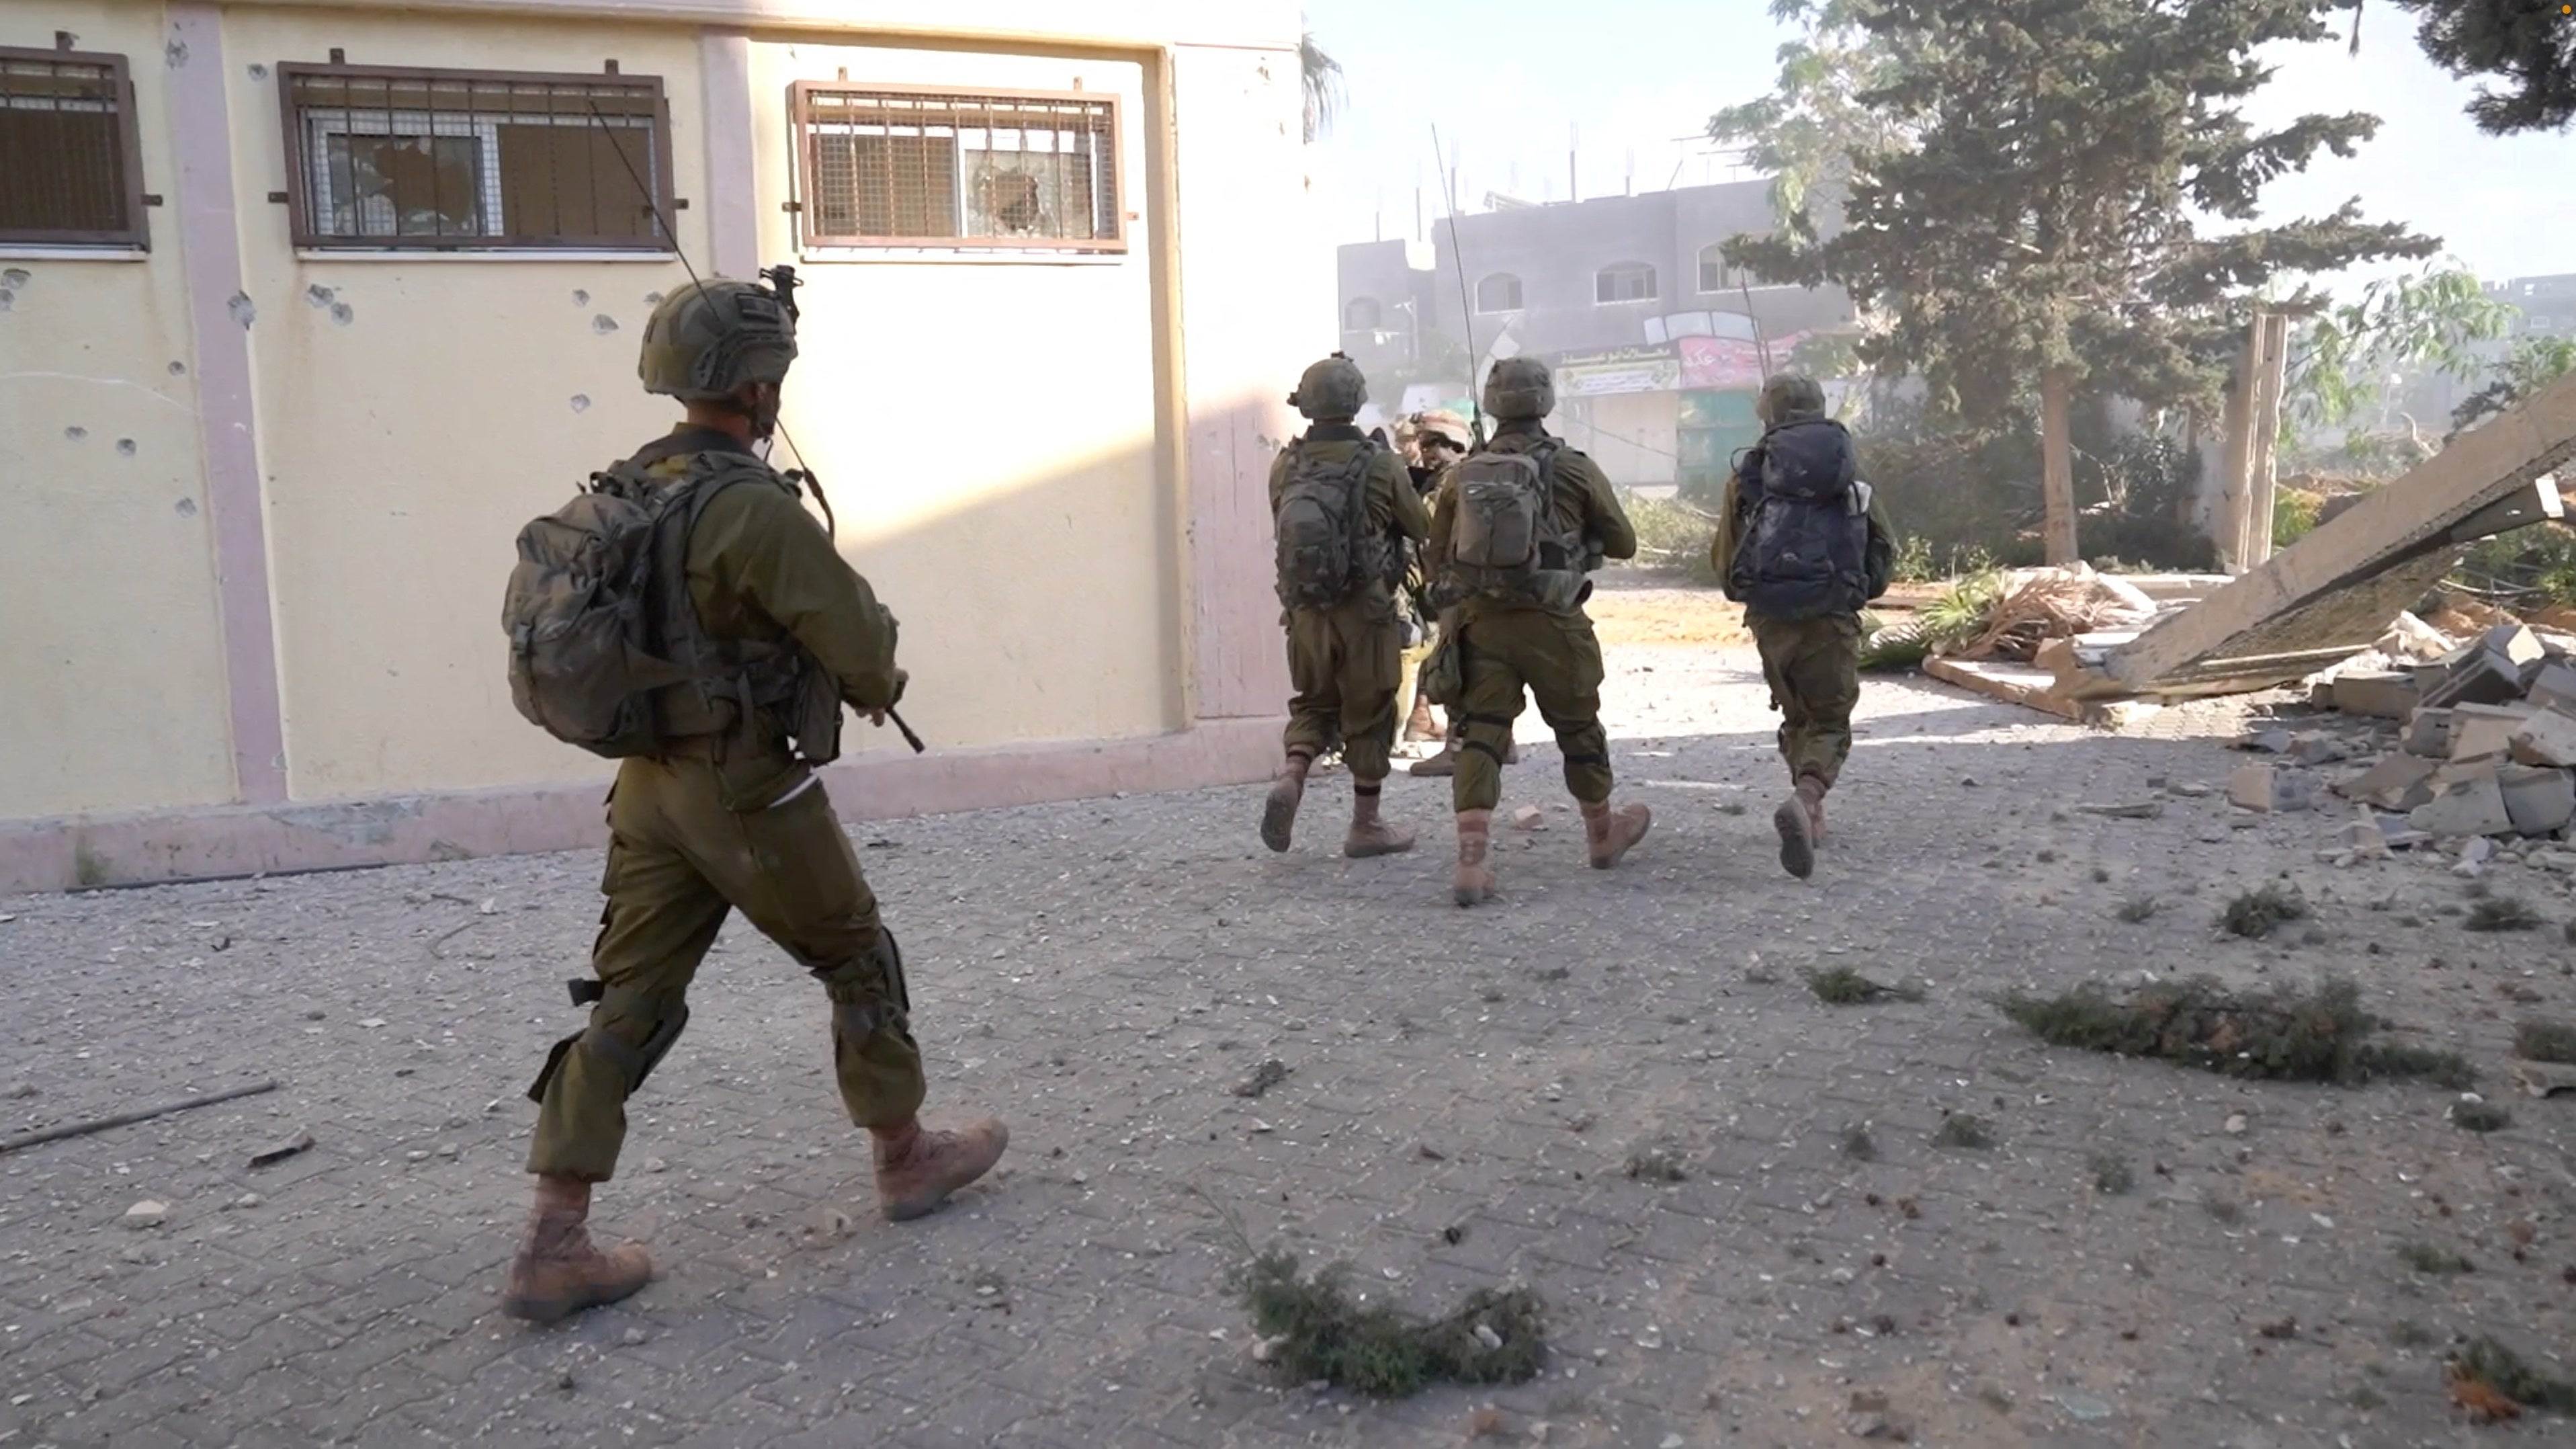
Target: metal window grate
(897, 167)
(70, 171)
(1628, 282)
(446, 160)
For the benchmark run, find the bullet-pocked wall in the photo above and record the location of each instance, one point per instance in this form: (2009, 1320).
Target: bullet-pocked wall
(111, 660)
(259, 481)
(985, 415)
(415, 408)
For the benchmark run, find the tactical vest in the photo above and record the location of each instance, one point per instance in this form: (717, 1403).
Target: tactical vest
(1506, 540)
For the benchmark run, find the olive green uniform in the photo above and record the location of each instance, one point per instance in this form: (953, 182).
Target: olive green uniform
(1812, 665)
(734, 819)
(1346, 662)
(1506, 647)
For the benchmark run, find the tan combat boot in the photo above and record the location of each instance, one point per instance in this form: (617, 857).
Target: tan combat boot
(1418, 725)
(558, 1273)
(1370, 835)
(1474, 881)
(1443, 763)
(1279, 813)
(1608, 833)
(917, 1168)
(1800, 820)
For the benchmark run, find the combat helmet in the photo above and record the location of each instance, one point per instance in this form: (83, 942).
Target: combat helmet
(1519, 389)
(1331, 389)
(1789, 397)
(708, 338)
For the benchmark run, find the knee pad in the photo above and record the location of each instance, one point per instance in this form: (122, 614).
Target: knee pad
(633, 1060)
(869, 994)
(1582, 742)
(1486, 734)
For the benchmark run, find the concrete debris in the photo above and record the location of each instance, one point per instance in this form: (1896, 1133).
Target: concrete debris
(2485, 731)
(2540, 800)
(2414, 640)
(2428, 733)
(147, 1214)
(2545, 738)
(2396, 782)
(2374, 694)
(2471, 806)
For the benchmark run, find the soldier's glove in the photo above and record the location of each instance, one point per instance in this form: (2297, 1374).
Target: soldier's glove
(877, 716)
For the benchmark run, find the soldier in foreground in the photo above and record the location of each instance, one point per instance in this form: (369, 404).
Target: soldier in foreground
(1802, 545)
(1344, 511)
(1517, 527)
(716, 806)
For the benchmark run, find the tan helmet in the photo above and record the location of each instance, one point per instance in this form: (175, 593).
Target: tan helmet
(1447, 424)
(1789, 397)
(1331, 391)
(707, 339)
(1519, 389)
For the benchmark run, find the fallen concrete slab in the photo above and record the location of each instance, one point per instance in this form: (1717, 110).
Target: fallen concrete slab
(2333, 593)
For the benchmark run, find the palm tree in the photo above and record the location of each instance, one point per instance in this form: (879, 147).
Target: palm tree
(1323, 84)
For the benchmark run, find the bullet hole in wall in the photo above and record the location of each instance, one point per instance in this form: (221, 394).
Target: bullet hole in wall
(257, 71)
(342, 314)
(178, 369)
(75, 433)
(581, 402)
(580, 298)
(186, 508)
(603, 324)
(243, 309)
(319, 295)
(125, 447)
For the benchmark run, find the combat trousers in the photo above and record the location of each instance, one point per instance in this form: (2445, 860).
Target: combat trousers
(1345, 663)
(680, 858)
(1557, 658)
(1813, 668)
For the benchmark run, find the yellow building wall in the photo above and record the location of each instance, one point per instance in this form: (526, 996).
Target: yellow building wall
(111, 659)
(988, 428)
(415, 411)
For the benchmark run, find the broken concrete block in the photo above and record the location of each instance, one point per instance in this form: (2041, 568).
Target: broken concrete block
(2412, 638)
(2539, 800)
(2546, 738)
(2397, 782)
(2379, 695)
(2479, 731)
(1528, 817)
(2554, 687)
(2428, 733)
(2265, 742)
(2487, 676)
(2314, 747)
(2469, 807)
(2516, 643)
(2253, 787)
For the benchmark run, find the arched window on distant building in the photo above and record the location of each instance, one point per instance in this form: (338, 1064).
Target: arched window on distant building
(1714, 274)
(1500, 292)
(1361, 314)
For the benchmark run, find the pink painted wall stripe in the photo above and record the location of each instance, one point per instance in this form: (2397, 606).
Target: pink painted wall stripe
(201, 137)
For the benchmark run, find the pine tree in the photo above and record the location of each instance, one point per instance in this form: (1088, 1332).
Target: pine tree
(2528, 44)
(2042, 224)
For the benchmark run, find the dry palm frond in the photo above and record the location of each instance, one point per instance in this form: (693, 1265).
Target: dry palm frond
(2040, 605)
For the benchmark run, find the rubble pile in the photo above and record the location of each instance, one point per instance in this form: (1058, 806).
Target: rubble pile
(2483, 746)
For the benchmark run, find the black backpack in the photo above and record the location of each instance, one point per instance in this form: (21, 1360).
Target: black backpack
(1804, 552)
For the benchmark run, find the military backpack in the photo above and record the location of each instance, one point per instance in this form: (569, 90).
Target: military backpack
(1805, 545)
(1505, 541)
(1325, 548)
(598, 618)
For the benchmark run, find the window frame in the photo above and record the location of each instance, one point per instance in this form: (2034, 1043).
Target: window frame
(304, 235)
(803, 135)
(1654, 284)
(1520, 294)
(1730, 277)
(136, 235)
(1376, 314)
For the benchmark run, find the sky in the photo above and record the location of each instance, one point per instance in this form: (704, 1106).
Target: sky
(1514, 86)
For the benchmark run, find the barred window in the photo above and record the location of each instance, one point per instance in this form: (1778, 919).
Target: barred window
(898, 167)
(1500, 292)
(71, 171)
(475, 160)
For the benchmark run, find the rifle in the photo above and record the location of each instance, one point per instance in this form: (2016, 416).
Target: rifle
(782, 285)
(1466, 300)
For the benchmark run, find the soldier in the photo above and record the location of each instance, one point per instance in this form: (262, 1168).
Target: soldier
(1801, 543)
(1344, 511)
(1431, 442)
(727, 814)
(1516, 528)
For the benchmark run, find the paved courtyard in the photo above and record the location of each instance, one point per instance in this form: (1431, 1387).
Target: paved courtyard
(1465, 1092)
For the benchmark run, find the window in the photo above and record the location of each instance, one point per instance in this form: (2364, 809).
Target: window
(1500, 292)
(1362, 315)
(70, 170)
(890, 166)
(1715, 275)
(1626, 282)
(469, 160)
